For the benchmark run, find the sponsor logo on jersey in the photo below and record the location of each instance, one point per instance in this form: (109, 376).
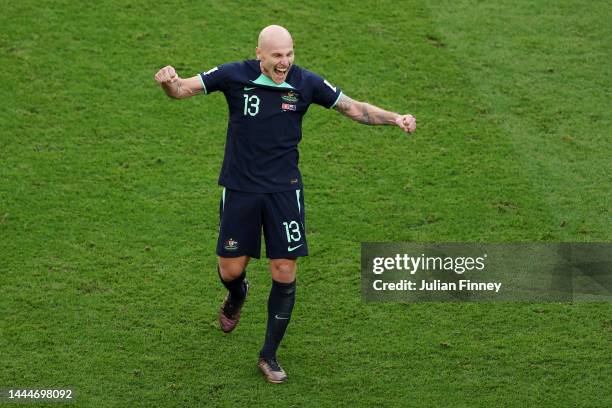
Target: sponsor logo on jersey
(230, 245)
(288, 106)
(290, 97)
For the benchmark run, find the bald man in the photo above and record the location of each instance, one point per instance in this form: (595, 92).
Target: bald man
(262, 184)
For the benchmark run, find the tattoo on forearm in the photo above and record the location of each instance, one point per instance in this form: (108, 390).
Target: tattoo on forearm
(344, 104)
(360, 111)
(365, 116)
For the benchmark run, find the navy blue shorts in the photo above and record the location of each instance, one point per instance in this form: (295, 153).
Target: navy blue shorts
(243, 216)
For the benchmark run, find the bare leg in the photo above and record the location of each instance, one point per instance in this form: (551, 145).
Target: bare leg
(283, 270)
(232, 268)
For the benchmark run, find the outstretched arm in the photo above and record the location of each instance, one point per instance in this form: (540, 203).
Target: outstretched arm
(367, 114)
(177, 87)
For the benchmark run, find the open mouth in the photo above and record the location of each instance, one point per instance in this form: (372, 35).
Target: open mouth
(280, 71)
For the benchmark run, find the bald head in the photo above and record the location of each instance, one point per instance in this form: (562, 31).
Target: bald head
(275, 52)
(274, 36)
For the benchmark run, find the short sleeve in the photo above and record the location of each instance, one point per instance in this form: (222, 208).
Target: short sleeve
(324, 93)
(214, 79)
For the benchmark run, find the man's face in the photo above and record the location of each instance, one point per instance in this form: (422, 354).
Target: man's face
(276, 59)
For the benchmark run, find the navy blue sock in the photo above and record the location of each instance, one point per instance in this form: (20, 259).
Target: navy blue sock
(236, 287)
(280, 305)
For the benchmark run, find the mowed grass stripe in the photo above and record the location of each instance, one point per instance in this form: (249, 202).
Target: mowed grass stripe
(449, 181)
(543, 71)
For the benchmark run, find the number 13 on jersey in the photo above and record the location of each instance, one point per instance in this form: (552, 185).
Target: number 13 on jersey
(251, 105)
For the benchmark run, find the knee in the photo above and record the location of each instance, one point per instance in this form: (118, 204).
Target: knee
(231, 268)
(283, 270)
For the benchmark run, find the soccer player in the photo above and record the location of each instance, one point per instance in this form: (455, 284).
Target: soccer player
(267, 99)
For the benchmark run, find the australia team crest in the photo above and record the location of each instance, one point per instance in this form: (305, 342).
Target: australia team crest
(289, 101)
(291, 97)
(230, 245)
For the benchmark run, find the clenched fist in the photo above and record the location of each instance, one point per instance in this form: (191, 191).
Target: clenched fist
(166, 75)
(407, 123)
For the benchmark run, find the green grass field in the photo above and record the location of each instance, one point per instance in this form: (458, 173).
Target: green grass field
(108, 201)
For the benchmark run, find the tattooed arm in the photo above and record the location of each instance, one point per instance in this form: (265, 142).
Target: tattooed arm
(367, 114)
(176, 87)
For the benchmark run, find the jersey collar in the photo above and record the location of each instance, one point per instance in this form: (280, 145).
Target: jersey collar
(265, 81)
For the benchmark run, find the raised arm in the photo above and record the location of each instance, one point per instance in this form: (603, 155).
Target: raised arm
(367, 114)
(176, 87)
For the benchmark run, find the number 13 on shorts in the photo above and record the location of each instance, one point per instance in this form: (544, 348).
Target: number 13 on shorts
(291, 222)
(292, 229)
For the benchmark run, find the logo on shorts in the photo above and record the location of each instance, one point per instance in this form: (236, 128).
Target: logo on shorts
(230, 245)
(291, 249)
(288, 106)
(290, 97)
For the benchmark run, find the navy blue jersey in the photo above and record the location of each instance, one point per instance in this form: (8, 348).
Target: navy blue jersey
(265, 123)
